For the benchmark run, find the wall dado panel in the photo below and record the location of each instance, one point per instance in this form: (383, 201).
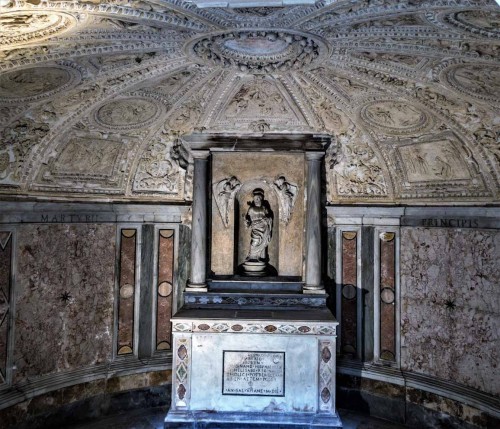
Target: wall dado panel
(418, 300)
(86, 294)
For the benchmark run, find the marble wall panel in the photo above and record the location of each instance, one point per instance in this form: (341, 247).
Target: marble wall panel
(64, 297)
(450, 305)
(348, 335)
(5, 287)
(388, 296)
(165, 289)
(127, 288)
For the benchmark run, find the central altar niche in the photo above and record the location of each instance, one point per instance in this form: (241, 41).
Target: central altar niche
(257, 214)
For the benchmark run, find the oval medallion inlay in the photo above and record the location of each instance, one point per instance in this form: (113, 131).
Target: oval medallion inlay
(387, 295)
(126, 291)
(164, 289)
(349, 291)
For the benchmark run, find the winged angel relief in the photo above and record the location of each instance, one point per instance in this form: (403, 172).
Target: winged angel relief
(224, 192)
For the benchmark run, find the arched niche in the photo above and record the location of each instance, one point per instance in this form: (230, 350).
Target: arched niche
(243, 199)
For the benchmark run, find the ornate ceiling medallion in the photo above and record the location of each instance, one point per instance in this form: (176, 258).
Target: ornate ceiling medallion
(394, 117)
(36, 82)
(484, 22)
(127, 113)
(29, 26)
(259, 51)
(478, 81)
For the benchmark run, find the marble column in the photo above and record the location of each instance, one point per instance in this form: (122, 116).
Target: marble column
(313, 224)
(197, 278)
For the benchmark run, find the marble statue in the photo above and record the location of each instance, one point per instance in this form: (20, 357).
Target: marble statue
(259, 220)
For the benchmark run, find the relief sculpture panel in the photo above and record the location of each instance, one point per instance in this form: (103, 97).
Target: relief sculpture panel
(30, 83)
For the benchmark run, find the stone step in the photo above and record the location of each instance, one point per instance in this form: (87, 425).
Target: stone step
(234, 299)
(266, 284)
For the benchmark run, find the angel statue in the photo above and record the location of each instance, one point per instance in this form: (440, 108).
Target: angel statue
(224, 192)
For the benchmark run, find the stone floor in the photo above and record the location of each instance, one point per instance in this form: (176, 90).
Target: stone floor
(153, 419)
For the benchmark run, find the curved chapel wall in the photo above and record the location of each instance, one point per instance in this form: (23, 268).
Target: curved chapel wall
(445, 273)
(67, 353)
(73, 279)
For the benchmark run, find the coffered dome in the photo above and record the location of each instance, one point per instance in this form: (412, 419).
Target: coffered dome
(96, 97)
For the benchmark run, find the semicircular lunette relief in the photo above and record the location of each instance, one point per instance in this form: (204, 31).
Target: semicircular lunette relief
(25, 26)
(395, 117)
(259, 51)
(479, 81)
(127, 113)
(34, 83)
(485, 22)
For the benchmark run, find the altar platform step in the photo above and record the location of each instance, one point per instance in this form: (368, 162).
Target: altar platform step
(235, 420)
(265, 300)
(245, 284)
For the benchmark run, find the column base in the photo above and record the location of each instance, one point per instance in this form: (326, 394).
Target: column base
(313, 290)
(241, 420)
(197, 287)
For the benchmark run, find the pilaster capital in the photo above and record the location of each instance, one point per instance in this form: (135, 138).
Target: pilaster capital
(314, 156)
(201, 154)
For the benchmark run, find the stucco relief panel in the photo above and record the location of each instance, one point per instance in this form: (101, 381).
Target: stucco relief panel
(450, 305)
(64, 299)
(424, 166)
(29, 26)
(35, 83)
(259, 101)
(165, 167)
(395, 117)
(354, 170)
(479, 81)
(127, 113)
(85, 163)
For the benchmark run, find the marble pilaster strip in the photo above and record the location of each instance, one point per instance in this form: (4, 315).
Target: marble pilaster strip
(197, 278)
(313, 223)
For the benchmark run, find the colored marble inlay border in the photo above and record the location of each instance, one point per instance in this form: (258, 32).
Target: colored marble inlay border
(127, 285)
(303, 328)
(5, 285)
(388, 296)
(164, 289)
(349, 294)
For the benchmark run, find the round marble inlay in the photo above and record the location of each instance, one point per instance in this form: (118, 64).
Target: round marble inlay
(259, 51)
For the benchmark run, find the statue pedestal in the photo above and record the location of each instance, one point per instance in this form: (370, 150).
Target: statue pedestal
(246, 368)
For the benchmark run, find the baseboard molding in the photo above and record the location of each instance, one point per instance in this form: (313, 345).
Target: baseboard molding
(448, 389)
(19, 392)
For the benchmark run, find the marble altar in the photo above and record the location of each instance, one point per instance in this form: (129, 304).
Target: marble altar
(253, 368)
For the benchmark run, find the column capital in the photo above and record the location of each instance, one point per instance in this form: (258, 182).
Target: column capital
(315, 156)
(200, 154)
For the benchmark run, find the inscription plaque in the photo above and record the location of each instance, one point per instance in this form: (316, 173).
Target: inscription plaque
(253, 373)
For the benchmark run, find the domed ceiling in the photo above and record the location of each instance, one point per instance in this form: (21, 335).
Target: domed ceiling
(96, 96)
